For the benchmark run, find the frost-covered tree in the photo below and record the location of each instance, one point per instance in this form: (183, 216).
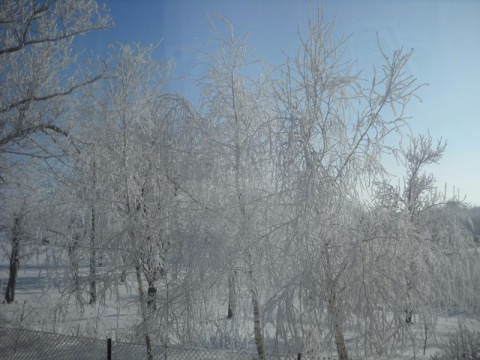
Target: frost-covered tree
(268, 202)
(237, 115)
(129, 151)
(40, 72)
(20, 230)
(455, 281)
(334, 127)
(140, 157)
(419, 195)
(40, 76)
(429, 236)
(16, 231)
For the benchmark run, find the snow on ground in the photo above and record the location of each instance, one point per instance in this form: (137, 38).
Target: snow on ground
(35, 296)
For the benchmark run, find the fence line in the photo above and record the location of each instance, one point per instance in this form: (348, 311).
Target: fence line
(21, 344)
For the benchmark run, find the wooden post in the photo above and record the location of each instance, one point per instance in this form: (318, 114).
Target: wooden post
(109, 349)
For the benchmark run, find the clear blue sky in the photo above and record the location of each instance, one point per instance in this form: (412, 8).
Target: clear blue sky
(445, 36)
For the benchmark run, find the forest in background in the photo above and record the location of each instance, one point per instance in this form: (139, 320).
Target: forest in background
(263, 214)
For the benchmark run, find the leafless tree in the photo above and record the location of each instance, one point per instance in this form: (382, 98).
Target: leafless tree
(335, 129)
(237, 115)
(40, 72)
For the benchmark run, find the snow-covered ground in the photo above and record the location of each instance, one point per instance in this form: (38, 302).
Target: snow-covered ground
(38, 306)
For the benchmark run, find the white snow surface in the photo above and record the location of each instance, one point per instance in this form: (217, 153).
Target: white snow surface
(36, 297)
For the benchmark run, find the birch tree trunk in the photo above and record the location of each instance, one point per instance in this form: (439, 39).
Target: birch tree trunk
(14, 260)
(232, 294)
(257, 322)
(336, 323)
(248, 258)
(73, 258)
(93, 245)
(143, 307)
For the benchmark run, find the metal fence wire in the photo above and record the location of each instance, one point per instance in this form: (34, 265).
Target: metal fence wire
(35, 345)
(21, 344)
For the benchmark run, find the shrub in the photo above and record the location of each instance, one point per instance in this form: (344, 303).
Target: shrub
(462, 345)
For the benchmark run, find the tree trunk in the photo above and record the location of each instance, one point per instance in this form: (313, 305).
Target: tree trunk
(244, 229)
(143, 308)
(231, 294)
(410, 278)
(257, 323)
(93, 261)
(152, 297)
(337, 325)
(73, 257)
(93, 253)
(14, 261)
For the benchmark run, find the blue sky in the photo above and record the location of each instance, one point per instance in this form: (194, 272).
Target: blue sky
(445, 36)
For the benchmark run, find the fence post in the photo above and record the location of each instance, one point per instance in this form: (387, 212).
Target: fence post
(109, 349)
(299, 357)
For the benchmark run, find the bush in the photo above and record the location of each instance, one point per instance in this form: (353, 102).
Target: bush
(463, 345)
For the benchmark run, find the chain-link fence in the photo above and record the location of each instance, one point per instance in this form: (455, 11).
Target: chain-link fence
(20, 344)
(32, 345)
